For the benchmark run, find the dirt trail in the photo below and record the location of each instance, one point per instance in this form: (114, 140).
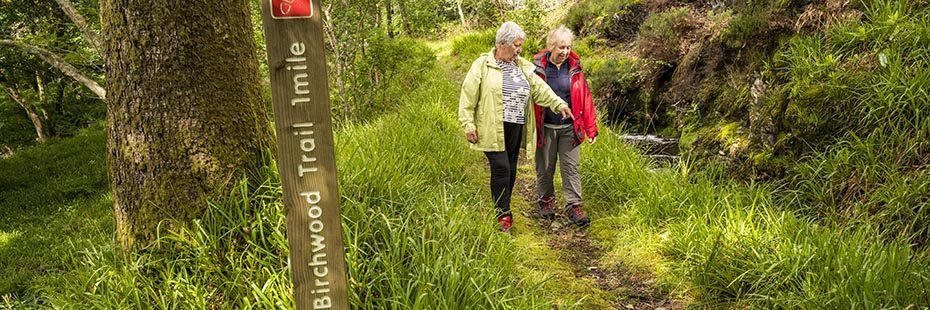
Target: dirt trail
(632, 290)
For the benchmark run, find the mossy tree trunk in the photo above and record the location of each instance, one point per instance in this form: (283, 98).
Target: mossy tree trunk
(185, 114)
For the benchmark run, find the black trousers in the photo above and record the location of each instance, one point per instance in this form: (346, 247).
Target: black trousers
(504, 167)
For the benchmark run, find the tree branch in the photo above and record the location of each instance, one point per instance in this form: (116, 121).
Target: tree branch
(78, 20)
(60, 64)
(33, 116)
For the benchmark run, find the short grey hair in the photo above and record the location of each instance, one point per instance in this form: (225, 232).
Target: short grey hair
(508, 33)
(559, 35)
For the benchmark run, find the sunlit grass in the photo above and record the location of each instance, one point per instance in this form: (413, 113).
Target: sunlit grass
(419, 233)
(723, 243)
(6, 236)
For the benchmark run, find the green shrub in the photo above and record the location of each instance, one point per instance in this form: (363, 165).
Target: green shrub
(616, 83)
(72, 112)
(746, 27)
(615, 19)
(658, 35)
(530, 18)
(15, 128)
(375, 83)
(467, 47)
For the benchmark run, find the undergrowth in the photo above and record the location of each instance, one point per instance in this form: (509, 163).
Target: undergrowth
(417, 230)
(721, 242)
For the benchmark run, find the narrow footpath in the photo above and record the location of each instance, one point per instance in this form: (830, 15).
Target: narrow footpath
(614, 286)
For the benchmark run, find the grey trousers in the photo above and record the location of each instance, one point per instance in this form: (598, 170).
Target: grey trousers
(557, 147)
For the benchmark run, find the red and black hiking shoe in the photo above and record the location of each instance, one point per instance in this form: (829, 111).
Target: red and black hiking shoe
(505, 221)
(577, 216)
(545, 208)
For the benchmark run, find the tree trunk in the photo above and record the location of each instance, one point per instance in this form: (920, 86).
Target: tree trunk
(461, 13)
(389, 19)
(377, 14)
(339, 59)
(185, 114)
(30, 113)
(403, 16)
(55, 107)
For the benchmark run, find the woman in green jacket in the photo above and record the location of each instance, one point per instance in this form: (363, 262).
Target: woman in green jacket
(496, 111)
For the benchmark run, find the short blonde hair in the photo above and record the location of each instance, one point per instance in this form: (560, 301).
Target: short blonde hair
(558, 35)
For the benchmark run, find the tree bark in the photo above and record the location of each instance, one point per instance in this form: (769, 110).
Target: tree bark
(403, 16)
(59, 64)
(185, 113)
(461, 13)
(79, 21)
(339, 58)
(389, 18)
(30, 113)
(377, 14)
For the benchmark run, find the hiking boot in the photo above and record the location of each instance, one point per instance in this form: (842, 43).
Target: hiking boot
(505, 221)
(577, 216)
(545, 208)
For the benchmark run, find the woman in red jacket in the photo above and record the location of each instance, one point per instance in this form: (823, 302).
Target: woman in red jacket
(558, 138)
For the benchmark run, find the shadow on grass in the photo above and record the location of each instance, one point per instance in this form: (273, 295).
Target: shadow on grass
(54, 198)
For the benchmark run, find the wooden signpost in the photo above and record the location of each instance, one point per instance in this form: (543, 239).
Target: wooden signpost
(306, 159)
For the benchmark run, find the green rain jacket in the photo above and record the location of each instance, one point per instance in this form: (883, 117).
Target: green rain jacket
(481, 104)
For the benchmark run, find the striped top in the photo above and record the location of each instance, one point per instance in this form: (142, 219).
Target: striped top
(516, 93)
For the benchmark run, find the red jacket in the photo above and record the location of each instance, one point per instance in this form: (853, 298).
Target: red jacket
(585, 123)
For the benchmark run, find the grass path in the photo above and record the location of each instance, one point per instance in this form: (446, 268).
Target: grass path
(577, 256)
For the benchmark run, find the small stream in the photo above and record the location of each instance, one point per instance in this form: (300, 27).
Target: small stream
(660, 151)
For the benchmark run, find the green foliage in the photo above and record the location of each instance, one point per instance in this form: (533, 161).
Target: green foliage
(726, 243)
(15, 128)
(746, 26)
(613, 19)
(530, 18)
(395, 67)
(616, 83)
(857, 95)
(469, 46)
(375, 79)
(63, 105)
(418, 231)
(659, 34)
(426, 17)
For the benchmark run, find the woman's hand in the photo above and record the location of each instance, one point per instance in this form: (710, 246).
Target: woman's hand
(472, 137)
(592, 140)
(567, 113)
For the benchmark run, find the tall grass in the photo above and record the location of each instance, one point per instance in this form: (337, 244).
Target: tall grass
(469, 46)
(858, 95)
(417, 223)
(719, 242)
(418, 229)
